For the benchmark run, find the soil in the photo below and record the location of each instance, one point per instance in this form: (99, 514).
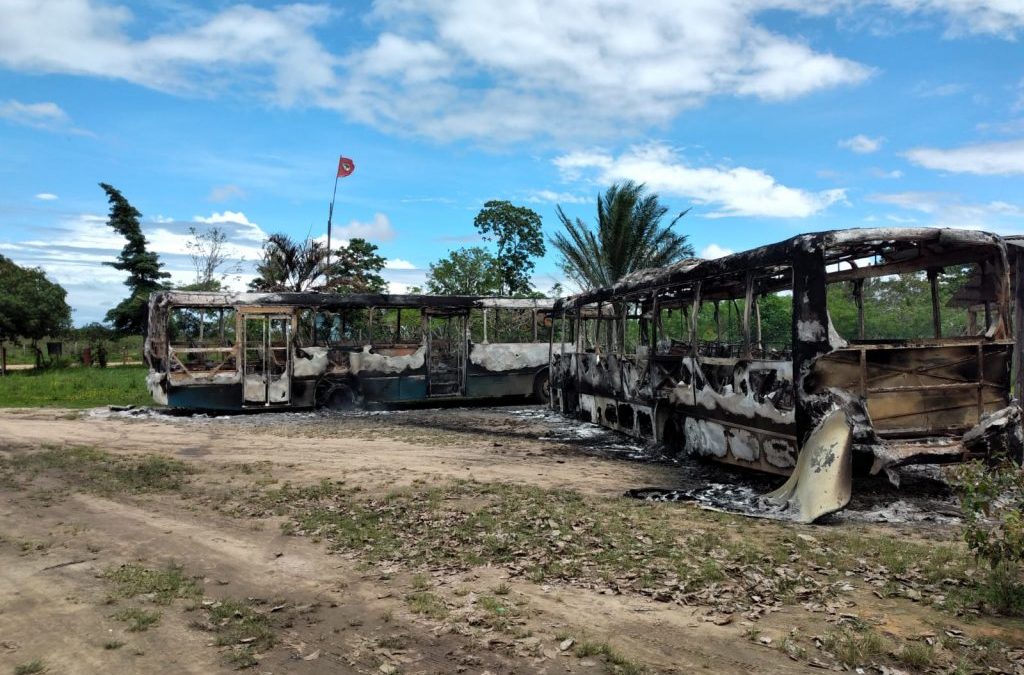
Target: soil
(338, 614)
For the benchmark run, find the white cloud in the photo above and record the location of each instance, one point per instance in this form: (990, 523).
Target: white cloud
(222, 193)
(861, 144)
(441, 69)
(732, 191)
(987, 159)
(73, 249)
(1002, 18)
(46, 115)
(552, 197)
(949, 210)
(932, 90)
(492, 71)
(225, 217)
(242, 43)
(399, 264)
(378, 229)
(46, 196)
(882, 173)
(714, 251)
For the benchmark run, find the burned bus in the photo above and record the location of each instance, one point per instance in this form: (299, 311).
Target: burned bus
(262, 351)
(809, 358)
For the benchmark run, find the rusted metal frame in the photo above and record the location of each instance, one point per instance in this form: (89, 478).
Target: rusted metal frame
(1018, 324)
(173, 355)
(863, 358)
(858, 297)
(927, 387)
(914, 413)
(933, 283)
(923, 370)
(748, 299)
(809, 312)
(757, 314)
(197, 350)
(694, 316)
(981, 381)
(1001, 270)
(652, 348)
(464, 351)
(954, 257)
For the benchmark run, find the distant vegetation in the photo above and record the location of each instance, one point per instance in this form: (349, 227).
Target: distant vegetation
(75, 387)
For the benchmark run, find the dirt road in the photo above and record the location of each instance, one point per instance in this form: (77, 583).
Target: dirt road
(258, 511)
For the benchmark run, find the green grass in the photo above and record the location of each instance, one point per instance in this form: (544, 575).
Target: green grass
(138, 619)
(428, 604)
(98, 471)
(617, 663)
(75, 387)
(35, 666)
(163, 586)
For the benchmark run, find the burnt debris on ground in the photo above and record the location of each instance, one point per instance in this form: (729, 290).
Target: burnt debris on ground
(924, 494)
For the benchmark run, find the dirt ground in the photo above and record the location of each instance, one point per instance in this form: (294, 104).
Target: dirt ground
(340, 611)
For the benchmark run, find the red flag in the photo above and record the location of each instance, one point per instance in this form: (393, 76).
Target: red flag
(345, 167)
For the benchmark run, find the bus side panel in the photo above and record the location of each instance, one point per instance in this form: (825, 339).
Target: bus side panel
(206, 397)
(484, 384)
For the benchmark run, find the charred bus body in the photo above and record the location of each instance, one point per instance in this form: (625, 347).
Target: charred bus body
(650, 358)
(245, 351)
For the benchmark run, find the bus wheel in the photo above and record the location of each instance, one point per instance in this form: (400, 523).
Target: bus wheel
(340, 398)
(542, 387)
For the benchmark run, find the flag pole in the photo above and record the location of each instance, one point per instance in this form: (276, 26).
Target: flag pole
(330, 216)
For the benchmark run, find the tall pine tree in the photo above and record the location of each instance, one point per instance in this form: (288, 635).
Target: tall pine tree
(143, 267)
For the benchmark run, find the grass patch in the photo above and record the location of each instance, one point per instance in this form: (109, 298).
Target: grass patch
(75, 387)
(237, 623)
(162, 586)
(99, 471)
(427, 604)
(113, 644)
(918, 655)
(855, 645)
(34, 666)
(138, 619)
(617, 663)
(667, 551)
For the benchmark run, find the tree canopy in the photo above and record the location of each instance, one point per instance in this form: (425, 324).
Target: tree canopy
(516, 232)
(206, 250)
(143, 267)
(466, 271)
(356, 269)
(289, 265)
(629, 236)
(31, 306)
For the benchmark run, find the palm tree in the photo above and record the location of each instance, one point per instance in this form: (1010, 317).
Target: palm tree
(290, 266)
(629, 237)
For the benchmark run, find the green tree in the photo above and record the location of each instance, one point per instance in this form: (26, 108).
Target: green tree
(143, 267)
(516, 232)
(356, 269)
(466, 271)
(289, 265)
(31, 306)
(629, 236)
(206, 250)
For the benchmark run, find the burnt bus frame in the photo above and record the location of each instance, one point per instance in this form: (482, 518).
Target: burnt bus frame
(641, 395)
(395, 380)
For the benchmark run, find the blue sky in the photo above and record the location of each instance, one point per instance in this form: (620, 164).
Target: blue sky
(767, 117)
